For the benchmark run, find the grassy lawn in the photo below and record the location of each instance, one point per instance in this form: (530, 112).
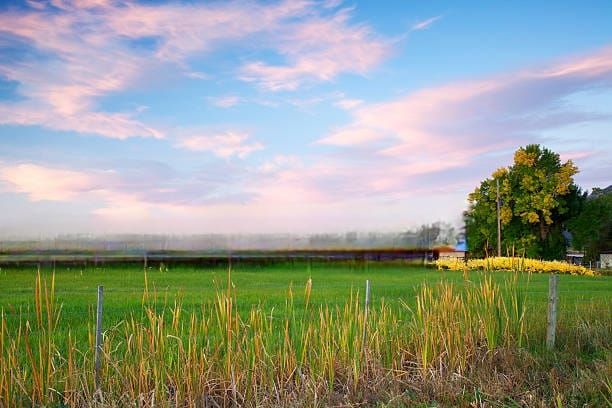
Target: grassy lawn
(332, 284)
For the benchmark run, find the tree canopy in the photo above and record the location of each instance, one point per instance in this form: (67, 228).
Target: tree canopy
(592, 229)
(538, 197)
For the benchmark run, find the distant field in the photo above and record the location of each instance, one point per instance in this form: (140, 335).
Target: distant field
(332, 284)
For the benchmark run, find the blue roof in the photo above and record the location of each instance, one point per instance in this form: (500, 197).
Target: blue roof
(461, 246)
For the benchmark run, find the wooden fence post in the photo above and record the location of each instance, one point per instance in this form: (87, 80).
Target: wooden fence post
(365, 314)
(98, 350)
(551, 327)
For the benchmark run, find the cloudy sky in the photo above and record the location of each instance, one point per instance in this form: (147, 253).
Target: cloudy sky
(287, 116)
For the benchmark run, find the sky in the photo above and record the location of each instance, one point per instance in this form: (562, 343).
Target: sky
(188, 117)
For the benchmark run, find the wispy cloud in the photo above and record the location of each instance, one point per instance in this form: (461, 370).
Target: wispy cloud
(576, 155)
(348, 104)
(197, 75)
(425, 24)
(278, 163)
(73, 60)
(82, 51)
(223, 144)
(455, 126)
(111, 125)
(226, 101)
(351, 136)
(319, 49)
(466, 114)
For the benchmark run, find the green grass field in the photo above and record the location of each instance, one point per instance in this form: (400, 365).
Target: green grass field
(268, 286)
(264, 329)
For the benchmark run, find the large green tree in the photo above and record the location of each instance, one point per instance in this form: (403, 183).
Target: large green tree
(538, 197)
(592, 229)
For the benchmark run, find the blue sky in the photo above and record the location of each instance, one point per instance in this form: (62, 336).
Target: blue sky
(287, 116)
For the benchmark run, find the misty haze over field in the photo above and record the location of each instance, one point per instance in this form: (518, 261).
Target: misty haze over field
(422, 237)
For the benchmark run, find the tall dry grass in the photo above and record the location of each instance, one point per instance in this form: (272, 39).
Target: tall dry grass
(219, 357)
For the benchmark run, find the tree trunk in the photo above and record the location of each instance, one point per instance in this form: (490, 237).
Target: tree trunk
(543, 230)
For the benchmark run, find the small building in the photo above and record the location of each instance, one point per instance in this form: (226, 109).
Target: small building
(448, 252)
(574, 257)
(605, 259)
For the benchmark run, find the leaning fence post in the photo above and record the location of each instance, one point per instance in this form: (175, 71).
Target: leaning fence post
(551, 327)
(365, 314)
(98, 350)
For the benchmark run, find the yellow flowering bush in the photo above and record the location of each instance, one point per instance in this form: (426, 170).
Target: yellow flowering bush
(505, 263)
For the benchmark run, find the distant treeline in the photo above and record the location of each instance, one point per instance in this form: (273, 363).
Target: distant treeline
(426, 236)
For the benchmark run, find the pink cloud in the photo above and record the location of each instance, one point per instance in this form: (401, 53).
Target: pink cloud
(477, 114)
(348, 104)
(576, 155)
(319, 49)
(80, 66)
(185, 29)
(111, 125)
(282, 201)
(44, 183)
(225, 101)
(88, 54)
(124, 203)
(128, 184)
(225, 144)
(278, 163)
(349, 136)
(451, 134)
